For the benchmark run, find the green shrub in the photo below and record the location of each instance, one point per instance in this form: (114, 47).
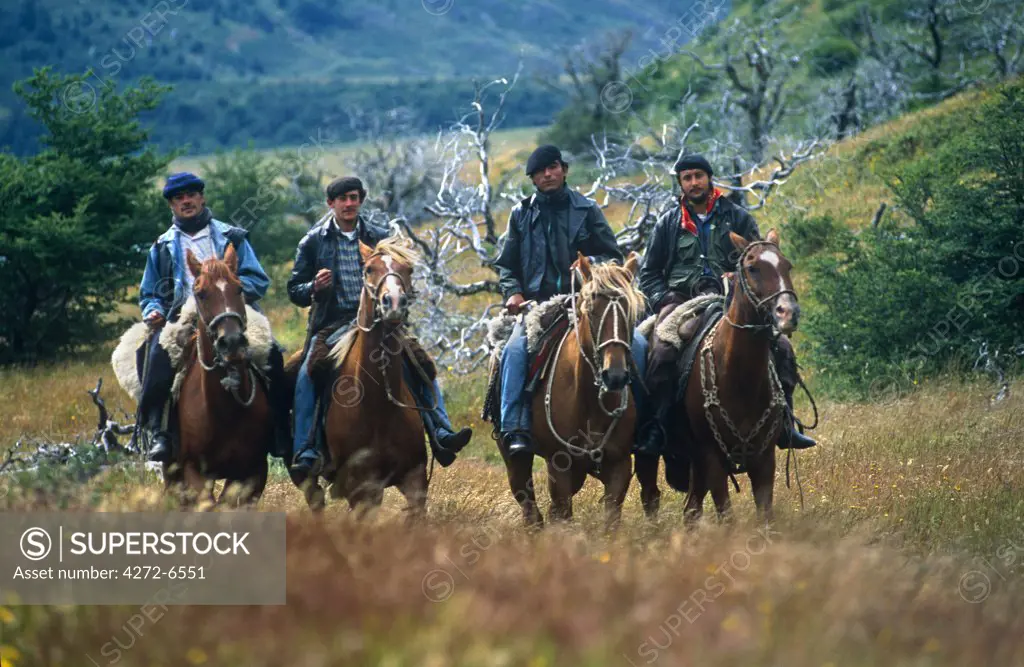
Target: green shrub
(933, 286)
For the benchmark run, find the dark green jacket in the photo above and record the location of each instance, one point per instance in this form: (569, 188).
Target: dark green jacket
(524, 256)
(663, 251)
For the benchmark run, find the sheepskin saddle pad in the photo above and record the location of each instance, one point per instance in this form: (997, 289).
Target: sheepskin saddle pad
(174, 337)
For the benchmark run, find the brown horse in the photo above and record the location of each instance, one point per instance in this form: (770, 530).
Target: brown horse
(734, 401)
(223, 413)
(373, 428)
(584, 417)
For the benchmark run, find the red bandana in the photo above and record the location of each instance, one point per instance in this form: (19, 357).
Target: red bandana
(687, 222)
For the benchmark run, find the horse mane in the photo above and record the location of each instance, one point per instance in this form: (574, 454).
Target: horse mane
(609, 277)
(397, 246)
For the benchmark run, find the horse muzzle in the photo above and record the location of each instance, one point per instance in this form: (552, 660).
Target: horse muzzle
(786, 314)
(614, 379)
(394, 311)
(231, 346)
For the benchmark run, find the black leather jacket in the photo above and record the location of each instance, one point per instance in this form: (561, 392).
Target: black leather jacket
(317, 250)
(523, 257)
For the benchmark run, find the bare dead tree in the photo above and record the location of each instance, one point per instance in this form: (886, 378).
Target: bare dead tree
(757, 64)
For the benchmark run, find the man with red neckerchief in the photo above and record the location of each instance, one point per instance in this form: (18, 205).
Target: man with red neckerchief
(687, 254)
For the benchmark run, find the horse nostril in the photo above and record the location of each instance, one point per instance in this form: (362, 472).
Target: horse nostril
(403, 301)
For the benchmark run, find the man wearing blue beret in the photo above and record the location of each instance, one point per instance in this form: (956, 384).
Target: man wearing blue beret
(167, 285)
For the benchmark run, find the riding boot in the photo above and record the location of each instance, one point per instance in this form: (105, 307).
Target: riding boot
(156, 390)
(281, 404)
(444, 442)
(790, 436)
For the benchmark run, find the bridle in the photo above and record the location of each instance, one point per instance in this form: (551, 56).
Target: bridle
(230, 381)
(761, 306)
(374, 292)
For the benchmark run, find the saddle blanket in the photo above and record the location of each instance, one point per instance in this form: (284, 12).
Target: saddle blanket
(174, 337)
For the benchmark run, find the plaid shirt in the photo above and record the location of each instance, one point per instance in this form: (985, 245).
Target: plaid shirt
(348, 273)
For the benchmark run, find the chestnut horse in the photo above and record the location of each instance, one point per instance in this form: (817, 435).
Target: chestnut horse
(734, 401)
(583, 420)
(372, 424)
(223, 412)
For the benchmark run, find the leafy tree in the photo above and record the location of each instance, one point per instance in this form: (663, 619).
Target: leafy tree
(77, 218)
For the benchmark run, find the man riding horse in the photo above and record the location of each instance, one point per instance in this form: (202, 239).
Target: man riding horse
(688, 252)
(167, 285)
(328, 274)
(545, 232)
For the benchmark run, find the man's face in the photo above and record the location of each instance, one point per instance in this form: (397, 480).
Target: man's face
(550, 178)
(346, 207)
(695, 184)
(187, 204)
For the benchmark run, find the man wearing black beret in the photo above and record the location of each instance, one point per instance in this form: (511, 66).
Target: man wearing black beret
(545, 232)
(687, 254)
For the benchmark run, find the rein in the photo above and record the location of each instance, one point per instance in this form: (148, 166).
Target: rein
(374, 294)
(708, 374)
(616, 308)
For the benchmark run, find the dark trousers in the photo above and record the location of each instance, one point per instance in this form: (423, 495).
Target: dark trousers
(156, 381)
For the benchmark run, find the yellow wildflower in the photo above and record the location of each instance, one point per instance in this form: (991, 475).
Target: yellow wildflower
(605, 557)
(8, 655)
(932, 645)
(196, 656)
(6, 616)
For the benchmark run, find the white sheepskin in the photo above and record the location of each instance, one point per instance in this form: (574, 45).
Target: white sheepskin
(174, 337)
(669, 328)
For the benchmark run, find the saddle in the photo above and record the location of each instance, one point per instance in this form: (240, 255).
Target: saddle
(128, 358)
(545, 325)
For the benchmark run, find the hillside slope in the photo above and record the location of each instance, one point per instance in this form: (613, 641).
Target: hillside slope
(273, 70)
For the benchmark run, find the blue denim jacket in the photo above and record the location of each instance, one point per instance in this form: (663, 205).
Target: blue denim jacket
(164, 284)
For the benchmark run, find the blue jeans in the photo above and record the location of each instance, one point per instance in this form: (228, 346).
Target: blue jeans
(515, 406)
(436, 422)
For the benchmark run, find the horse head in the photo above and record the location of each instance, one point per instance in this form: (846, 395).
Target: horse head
(762, 276)
(387, 282)
(611, 306)
(220, 304)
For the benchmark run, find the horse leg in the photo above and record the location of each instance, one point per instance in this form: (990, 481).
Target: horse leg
(560, 490)
(718, 483)
(647, 475)
(414, 487)
(520, 481)
(762, 482)
(698, 490)
(616, 478)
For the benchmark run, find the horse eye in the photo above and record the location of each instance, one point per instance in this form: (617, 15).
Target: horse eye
(201, 294)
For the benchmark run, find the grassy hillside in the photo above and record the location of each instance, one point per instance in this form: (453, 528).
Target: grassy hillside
(275, 70)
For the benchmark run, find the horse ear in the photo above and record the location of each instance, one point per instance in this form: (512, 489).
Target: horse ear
(738, 241)
(584, 265)
(631, 264)
(193, 264)
(365, 251)
(773, 236)
(231, 258)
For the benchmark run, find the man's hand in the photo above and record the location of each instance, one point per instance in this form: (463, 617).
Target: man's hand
(323, 280)
(514, 303)
(155, 319)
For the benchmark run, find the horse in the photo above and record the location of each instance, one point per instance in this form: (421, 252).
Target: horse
(588, 371)
(372, 425)
(223, 413)
(734, 375)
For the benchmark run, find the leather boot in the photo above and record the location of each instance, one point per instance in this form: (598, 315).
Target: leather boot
(518, 442)
(160, 442)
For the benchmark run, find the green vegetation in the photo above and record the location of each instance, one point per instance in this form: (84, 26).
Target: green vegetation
(74, 219)
(929, 286)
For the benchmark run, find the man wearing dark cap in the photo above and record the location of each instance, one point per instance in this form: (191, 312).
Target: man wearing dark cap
(328, 271)
(687, 254)
(167, 285)
(545, 232)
